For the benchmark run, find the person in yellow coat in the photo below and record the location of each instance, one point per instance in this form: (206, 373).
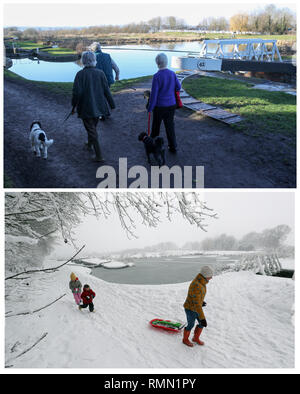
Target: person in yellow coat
(194, 306)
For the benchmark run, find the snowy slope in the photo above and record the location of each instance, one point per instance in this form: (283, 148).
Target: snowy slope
(288, 263)
(249, 321)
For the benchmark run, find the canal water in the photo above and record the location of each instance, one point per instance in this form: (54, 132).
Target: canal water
(132, 60)
(161, 270)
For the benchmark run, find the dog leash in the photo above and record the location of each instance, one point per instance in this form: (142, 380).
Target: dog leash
(67, 117)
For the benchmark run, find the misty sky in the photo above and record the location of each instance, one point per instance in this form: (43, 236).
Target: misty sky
(75, 13)
(239, 212)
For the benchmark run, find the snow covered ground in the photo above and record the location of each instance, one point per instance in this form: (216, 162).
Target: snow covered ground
(95, 261)
(116, 265)
(249, 324)
(288, 263)
(111, 264)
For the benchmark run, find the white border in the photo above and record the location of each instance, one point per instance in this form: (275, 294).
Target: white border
(141, 371)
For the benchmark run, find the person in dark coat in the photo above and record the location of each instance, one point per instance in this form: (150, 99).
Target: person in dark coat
(91, 98)
(105, 63)
(87, 296)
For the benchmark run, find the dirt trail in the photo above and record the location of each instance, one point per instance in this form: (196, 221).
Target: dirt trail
(230, 159)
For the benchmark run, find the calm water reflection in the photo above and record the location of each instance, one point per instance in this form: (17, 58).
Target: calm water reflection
(132, 63)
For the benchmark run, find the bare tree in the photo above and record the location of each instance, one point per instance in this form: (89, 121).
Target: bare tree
(239, 22)
(155, 23)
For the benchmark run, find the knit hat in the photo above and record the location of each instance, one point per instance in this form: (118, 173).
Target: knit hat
(206, 272)
(73, 276)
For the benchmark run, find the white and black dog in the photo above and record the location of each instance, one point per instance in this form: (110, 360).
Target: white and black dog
(39, 141)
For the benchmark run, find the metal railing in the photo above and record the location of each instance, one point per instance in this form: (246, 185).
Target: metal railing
(241, 49)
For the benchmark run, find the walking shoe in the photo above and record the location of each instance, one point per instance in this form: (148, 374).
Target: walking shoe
(98, 160)
(172, 150)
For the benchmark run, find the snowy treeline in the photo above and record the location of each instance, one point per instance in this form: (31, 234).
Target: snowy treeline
(33, 221)
(269, 240)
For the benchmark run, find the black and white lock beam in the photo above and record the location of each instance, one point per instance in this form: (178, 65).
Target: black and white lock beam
(210, 64)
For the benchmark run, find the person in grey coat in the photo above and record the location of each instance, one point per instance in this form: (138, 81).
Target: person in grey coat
(92, 99)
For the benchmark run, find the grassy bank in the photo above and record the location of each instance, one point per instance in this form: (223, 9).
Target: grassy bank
(144, 38)
(59, 51)
(66, 87)
(263, 111)
(29, 45)
(162, 36)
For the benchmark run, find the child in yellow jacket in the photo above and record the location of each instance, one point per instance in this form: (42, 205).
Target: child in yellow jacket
(194, 306)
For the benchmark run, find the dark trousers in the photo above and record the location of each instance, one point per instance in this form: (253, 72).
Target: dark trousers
(90, 125)
(165, 114)
(191, 317)
(91, 306)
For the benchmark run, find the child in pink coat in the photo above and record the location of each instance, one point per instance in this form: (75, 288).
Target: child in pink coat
(75, 286)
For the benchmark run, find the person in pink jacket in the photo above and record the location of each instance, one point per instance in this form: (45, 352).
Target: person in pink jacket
(75, 286)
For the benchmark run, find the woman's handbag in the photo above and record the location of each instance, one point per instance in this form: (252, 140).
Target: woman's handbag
(178, 99)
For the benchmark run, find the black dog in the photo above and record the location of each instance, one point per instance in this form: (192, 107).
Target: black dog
(154, 146)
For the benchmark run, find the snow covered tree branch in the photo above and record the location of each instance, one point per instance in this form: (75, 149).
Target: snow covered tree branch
(46, 269)
(34, 220)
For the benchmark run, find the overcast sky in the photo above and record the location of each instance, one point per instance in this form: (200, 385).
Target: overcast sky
(76, 13)
(239, 213)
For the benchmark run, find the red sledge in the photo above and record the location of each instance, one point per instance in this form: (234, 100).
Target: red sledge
(168, 325)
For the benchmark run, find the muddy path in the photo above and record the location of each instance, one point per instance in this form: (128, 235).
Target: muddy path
(231, 159)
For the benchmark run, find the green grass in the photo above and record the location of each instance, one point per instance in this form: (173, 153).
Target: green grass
(59, 51)
(10, 74)
(128, 83)
(55, 87)
(27, 44)
(263, 111)
(52, 51)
